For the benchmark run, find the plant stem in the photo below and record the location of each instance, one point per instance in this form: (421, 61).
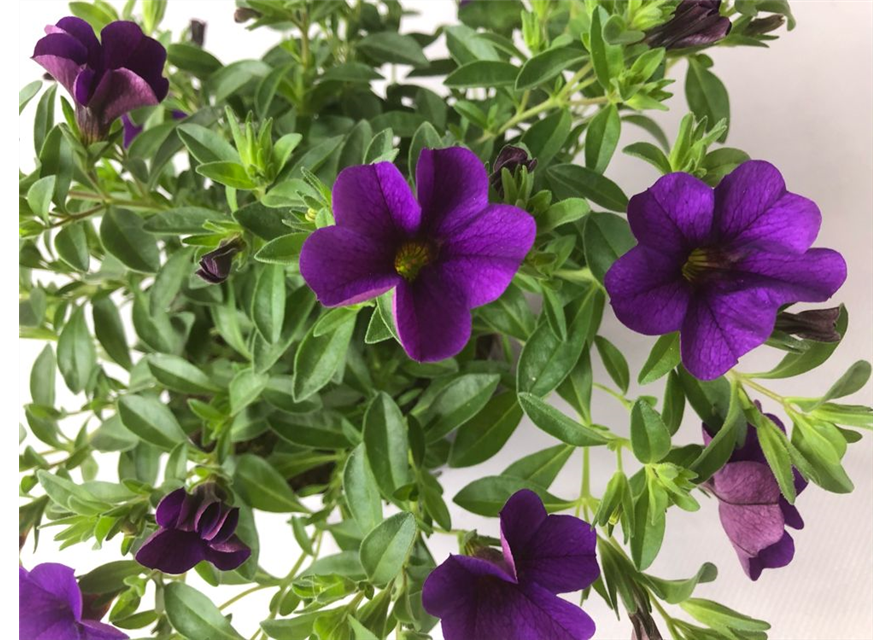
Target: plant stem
(626, 403)
(239, 596)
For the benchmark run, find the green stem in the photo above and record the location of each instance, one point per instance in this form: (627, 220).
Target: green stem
(626, 403)
(239, 596)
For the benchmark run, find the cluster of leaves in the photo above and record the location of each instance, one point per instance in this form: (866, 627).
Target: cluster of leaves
(253, 385)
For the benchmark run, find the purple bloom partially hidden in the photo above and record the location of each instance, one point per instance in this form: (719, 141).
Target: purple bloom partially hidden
(132, 130)
(716, 265)
(511, 158)
(752, 510)
(193, 528)
(50, 607)
(695, 23)
(446, 253)
(512, 595)
(106, 80)
(214, 266)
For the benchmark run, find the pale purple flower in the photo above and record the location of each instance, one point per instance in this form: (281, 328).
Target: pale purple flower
(445, 253)
(106, 80)
(512, 595)
(752, 509)
(51, 607)
(716, 265)
(191, 528)
(695, 23)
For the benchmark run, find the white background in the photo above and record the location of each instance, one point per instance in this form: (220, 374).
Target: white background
(805, 104)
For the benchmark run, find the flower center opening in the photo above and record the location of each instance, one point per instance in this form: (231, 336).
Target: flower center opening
(701, 261)
(411, 257)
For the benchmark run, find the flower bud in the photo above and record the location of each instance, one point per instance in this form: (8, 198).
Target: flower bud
(695, 23)
(818, 325)
(244, 14)
(197, 32)
(510, 158)
(214, 267)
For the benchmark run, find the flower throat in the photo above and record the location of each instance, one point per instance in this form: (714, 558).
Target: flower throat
(411, 257)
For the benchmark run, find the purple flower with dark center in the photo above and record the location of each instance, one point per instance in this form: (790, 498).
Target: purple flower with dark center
(106, 80)
(717, 264)
(511, 158)
(192, 528)
(752, 509)
(214, 267)
(695, 23)
(132, 130)
(51, 607)
(446, 253)
(512, 595)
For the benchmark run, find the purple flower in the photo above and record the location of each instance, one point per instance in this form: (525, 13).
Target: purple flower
(446, 253)
(695, 23)
(752, 510)
(512, 595)
(717, 264)
(106, 80)
(214, 267)
(510, 158)
(193, 528)
(50, 607)
(132, 130)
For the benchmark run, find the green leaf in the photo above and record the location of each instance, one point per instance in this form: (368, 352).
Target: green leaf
(319, 429)
(123, 236)
(389, 46)
(850, 382)
(44, 118)
(486, 496)
(562, 212)
(676, 591)
(318, 358)
(170, 278)
(426, 137)
(284, 250)
(602, 136)
(706, 94)
(109, 577)
(231, 174)
(484, 435)
(182, 221)
(194, 616)
(151, 420)
(795, 364)
(262, 487)
(76, 353)
(482, 73)
(614, 362)
(57, 159)
(775, 447)
(193, 59)
(361, 491)
(577, 387)
(545, 66)
(264, 222)
(110, 331)
(386, 548)
(574, 180)
(27, 92)
(648, 433)
(268, 302)
(40, 196)
(546, 137)
(459, 401)
(650, 154)
(606, 237)
(43, 378)
(717, 616)
(297, 628)
(664, 357)
(175, 373)
(245, 387)
(71, 245)
(351, 72)
(607, 59)
(205, 145)
(558, 425)
(387, 444)
(541, 468)
(648, 531)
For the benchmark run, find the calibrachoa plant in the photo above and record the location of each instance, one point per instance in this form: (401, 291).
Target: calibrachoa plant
(311, 284)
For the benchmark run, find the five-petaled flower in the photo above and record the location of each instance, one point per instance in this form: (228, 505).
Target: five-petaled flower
(695, 23)
(513, 595)
(752, 510)
(106, 80)
(446, 253)
(51, 607)
(194, 527)
(717, 264)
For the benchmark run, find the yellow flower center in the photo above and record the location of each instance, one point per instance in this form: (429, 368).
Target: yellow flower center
(700, 261)
(411, 257)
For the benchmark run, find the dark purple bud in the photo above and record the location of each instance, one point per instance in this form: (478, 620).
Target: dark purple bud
(244, 14)
(695, 23)
(510, 158)
(214, 267)
(197, 32)
(762, 26)
(819, 325)
(644, 627)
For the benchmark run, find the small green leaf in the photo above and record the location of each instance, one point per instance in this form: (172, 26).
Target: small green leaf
(572, 180)
(706, 94)
(486, 496)
(614, 362)
(389, 46)
(484, 435)
(482, 73)
(361, 490)
(193, 614)
(40, 196)
(268, 302)
(123, 236)
(318, 358)
(76, 352)
(648, 433)
(43, 378)
(545, 66)
(775, 447)
(110, 331)
(602, 136)
(558, 425)
(262, 487)
(650, 154)
(387, 444)
(607, 59)
(664, 357)
(27, 92)
(178, 374)
(231, 174)
(151, 420)
(676, 591)
(606, 237)
(386, 548)
(461, 400)
(717, 616)
(284, 250)
(205, 145)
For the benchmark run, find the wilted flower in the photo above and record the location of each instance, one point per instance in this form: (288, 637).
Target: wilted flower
(752, 509)
(132, 130)
(512, 595)
(51, 607)
(510, 158)
(762, 26)
(695, 23)
(244, 14)
(106, 80)
(192, 528)
(717, 264)
(197, 32)
(819, 325)
(446, 253)
(214, 267)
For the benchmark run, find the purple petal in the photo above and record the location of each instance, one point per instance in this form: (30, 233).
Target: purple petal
(343, 267)
(120, 91)
(674, 216)
(721, 326)
(811, 277)
(432, 317)
(790, 224)
(208, 520)
(778, 555)
(62, 56)
(59, 581)
(227, 526)
(125, 46)
(171, 551)
(482, 258)
(84, 86)
(375, 201)
(519, 520)
(83, 33)
(746, 483)
(792, 517)
(94, 630)
(167, 514)
(748, 508)
(648, 293)
(228, 555)
(42, 611)
(452, 187)
(131, 130)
